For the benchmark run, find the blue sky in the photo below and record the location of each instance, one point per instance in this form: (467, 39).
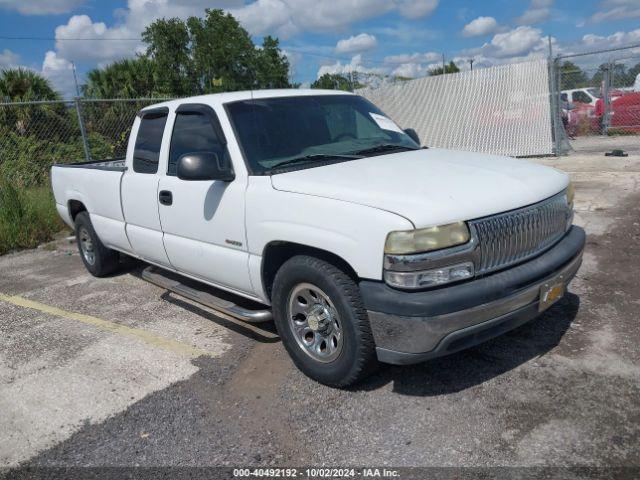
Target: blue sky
(404, 37)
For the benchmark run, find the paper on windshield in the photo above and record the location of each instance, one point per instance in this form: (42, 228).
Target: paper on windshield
(385, 123)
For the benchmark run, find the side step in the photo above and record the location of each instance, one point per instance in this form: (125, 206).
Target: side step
(203, 294)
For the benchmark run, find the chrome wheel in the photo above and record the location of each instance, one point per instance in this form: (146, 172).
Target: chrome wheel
(315, 323)
(86, 246)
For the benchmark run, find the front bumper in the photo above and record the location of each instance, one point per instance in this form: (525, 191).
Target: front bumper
(410, 327)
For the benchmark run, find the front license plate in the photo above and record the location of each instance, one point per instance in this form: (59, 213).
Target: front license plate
(550, 293)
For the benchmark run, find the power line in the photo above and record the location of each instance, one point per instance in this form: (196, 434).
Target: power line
(5, 37)
(380, 61)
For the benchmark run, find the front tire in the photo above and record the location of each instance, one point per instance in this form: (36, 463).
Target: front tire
(97, 258)
(322, 322)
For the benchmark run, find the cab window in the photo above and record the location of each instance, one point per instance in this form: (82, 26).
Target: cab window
(147, 149)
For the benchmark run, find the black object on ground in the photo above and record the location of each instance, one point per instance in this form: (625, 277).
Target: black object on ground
(616, 153)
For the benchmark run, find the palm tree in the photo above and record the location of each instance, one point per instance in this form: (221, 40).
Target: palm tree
(122, 79)
(44, 120)
(24, 85)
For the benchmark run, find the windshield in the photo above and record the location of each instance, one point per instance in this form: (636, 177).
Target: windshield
(594, 92)
(306, 131)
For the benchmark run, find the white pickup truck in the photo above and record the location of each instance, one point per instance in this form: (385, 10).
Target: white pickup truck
(313, 208)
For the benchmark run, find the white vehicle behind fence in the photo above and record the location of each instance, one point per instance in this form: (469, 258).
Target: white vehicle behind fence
(314, 209)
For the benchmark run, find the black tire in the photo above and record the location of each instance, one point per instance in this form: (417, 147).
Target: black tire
(357, 357)
(104, 260)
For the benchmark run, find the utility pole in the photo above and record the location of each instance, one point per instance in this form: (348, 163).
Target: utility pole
(444, 70)
(471, 63)
(75, 78)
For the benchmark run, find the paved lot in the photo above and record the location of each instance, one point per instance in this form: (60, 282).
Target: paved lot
(115, 372)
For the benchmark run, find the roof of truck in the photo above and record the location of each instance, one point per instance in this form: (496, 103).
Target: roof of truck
(227, 97)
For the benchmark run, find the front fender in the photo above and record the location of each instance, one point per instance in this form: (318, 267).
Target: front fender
(354, 232)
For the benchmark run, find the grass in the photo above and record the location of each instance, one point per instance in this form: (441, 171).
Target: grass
(28, 217)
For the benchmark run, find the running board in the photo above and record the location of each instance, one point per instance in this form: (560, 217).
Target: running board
(199, 293)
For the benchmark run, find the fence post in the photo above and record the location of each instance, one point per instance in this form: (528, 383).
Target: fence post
(556, 114)
(606, 96)
(83, 132)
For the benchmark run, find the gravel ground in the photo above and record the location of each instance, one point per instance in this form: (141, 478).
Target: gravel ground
(164, 382)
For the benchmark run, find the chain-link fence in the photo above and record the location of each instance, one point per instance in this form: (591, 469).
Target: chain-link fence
(585, 102)
(502, 110)
(35, 135)
(596, 98)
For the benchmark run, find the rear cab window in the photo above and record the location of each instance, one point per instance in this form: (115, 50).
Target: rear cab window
(146, 153)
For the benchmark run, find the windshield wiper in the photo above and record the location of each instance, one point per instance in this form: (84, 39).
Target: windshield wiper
(385, 147)
(314, 157)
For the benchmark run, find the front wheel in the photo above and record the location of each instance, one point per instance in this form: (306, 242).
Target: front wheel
(322, 322)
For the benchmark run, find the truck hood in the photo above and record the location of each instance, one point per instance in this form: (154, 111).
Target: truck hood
(430, 186)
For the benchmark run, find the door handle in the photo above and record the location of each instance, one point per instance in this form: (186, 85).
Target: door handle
(165, 197)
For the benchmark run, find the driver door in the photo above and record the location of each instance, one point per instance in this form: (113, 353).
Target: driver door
(203, 220)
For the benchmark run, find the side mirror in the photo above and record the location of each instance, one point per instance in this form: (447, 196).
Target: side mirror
(203, 166)
(412, 134)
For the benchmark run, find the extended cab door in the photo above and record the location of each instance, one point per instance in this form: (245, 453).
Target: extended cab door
(140, 186)
(203, 224)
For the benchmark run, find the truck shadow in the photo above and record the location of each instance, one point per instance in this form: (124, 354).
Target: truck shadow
(479, 364)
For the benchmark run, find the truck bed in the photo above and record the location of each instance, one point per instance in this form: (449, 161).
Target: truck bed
(114, 164)
(95, 187)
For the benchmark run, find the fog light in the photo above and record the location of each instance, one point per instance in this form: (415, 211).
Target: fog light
(430, 278)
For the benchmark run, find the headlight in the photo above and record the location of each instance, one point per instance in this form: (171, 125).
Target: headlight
(430, 278)
(570, 193)
(426, 239)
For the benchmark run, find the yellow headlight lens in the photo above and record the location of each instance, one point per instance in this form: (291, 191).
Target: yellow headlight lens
(570, 193)
(427, 239)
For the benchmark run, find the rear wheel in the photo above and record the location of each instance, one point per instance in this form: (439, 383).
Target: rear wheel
(97, 258)
(322, 322)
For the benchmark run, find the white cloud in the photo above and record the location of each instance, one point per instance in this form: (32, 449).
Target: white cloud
(104, 44)
(480, 26)
(287, 18)
(520, 44)
(59, 71)
(294, 59)
(591, 42)
(355, 65)
(414, 9)
(539, 11)
(616, 10)
(99, 43)
(357, 43)
(410, 70)
(284, 18)
(413, 58)
(9, 59)
(40, 7)
(518, 41)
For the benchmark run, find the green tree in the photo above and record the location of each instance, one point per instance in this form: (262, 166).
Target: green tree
(572, 76)
(332, 81)
(450, 68)
(620, 76)
(122, 79)
(23, 85)
(46, 120)
(212, 54)
(168, 45)
(222, 52)
(272, 67)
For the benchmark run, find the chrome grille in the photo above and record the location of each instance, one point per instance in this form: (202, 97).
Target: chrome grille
(517, 235)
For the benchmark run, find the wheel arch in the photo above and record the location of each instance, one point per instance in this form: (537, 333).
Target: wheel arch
(277, 252)
(75, 207)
